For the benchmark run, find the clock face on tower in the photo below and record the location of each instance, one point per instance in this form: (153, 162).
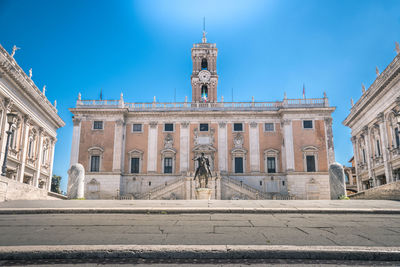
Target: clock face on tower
(204, 76)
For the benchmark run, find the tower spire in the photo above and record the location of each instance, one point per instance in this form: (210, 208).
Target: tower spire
(204, 30)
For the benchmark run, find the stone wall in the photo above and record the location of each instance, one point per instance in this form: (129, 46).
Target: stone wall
(388, 191)
(13, 190)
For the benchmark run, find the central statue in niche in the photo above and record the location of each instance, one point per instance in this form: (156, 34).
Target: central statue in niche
(203, 171)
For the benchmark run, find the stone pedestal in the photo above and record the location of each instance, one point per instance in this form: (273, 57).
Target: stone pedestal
(203, 193)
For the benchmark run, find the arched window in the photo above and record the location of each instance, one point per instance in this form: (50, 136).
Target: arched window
(204, 64)
(204, 93)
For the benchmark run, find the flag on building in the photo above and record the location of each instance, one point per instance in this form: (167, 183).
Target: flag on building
(304, 92)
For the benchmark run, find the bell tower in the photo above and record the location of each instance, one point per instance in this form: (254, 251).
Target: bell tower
(204, 77)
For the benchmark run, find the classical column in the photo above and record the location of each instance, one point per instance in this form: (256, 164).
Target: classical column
(384, 146)
(24, 144)
(52, 146)
(329, 141)
(288, 139)
(39, 159)
(118, 139)
(356, 157)
(6, 105)
(152, 147)
(254, 147)
(368, 152)
(76, 135)
(222, 147)
(184, 147)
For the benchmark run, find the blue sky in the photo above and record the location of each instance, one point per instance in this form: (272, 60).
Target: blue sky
(142, 48)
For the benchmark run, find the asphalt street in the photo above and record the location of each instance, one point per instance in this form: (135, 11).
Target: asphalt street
(381, 230)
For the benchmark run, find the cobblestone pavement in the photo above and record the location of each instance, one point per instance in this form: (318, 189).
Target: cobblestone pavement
(201, 229)
(197, 263)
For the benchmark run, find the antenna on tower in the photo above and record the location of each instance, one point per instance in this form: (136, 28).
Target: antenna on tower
(204, 30)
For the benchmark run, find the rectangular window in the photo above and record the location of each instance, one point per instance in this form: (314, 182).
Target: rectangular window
(307, 124)
(378, 148)
(238, 127)
(271, 165)
(95, 164)
(135, 165)
(98, 125)
(203, 127)
(397, 136)
(168, 127)
(269, 127)
(238, 165)
(167, 165)
(310, 163)
(136, 127)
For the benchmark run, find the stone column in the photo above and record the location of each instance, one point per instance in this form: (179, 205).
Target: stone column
(184, 147)
(118, 140)
(329, 141)
(384, 146)
(6, 105)
(39, 159)
(222, 147)
(288, 139)
(356, 157)
(76, 135)
(24, 144)
(368, 152)
(53, 145)
(152, 147)
(254, 147)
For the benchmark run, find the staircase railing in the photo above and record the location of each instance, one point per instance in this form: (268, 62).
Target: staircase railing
(147, 195)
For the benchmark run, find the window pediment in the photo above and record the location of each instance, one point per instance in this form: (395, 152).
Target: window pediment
(309, 149)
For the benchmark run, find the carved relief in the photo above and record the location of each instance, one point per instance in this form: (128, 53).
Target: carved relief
(168, 141)
(222, 124)
(153, 124)
(238, 140)
(185, 124)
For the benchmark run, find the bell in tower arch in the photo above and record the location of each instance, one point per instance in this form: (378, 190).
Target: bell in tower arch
(204, 64)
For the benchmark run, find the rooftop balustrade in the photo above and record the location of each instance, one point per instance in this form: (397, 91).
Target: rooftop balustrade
(171, 106)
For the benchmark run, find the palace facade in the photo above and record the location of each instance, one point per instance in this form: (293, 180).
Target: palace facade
(257, 150)
(375, 122)
(33, 133)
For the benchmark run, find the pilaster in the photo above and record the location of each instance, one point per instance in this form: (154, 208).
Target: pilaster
(368, 152)
(53, 145)
(39, 159)
(24, 143)
(152, 147)
(117, 151)
(288, 142)
(356, 157)
(222, 147)
(184, 147)
(329, 141)
(385, 144)
(254, 147)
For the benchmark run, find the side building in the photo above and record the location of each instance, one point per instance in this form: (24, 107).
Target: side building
(374, 121)
(33, 134)
(256, 149)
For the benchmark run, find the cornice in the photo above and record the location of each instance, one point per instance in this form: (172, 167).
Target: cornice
(10, 68)
(381, 82)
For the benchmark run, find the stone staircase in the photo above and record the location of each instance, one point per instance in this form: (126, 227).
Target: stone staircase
(162, 190)
(251, 192)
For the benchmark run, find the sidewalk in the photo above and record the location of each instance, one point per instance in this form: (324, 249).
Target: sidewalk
(200, 206)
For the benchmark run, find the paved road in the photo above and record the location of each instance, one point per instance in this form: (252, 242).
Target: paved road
(204, 229)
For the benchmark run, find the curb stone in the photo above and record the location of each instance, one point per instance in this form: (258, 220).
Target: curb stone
(200, 252)
(194, 210)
